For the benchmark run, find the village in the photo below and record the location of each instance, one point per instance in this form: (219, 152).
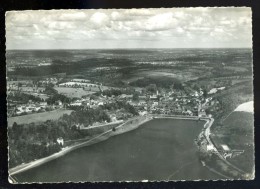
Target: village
(115, 95)
(93, 95)
(83, 93)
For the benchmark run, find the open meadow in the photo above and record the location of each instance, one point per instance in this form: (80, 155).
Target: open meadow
(73, 92)
(39, 117)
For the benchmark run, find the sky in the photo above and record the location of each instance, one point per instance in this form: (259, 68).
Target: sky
(129, 28)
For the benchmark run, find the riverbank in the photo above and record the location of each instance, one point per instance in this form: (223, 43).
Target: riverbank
(129, 125)
(237, 132)
(125, 127)
(154, 151)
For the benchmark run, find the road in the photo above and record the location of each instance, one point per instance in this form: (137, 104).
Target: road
(207, 134)
(125, 127)
(119, 130)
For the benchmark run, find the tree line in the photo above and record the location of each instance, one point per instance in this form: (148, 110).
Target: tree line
(22, 97)
(32, 141)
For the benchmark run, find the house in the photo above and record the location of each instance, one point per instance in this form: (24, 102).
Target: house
(27, 109)
(143, 113)
(37, 108)
(101, 103)
(226, 151)
(195, 94)
(212, 91)
(225, 148)
(113, 118)
(60, 141)
(20, 110)
(210, 148)
(153, 97)
(59, 103)
(202, 113)
(141, 102)
(43, 104)
(189, 112)
(76, 103)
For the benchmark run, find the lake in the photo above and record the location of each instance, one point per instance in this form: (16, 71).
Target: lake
(161, 149)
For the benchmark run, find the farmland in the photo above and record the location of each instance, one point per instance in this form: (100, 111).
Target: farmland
(73, 92)
(40, 117)
(154, 81)
(237, 133)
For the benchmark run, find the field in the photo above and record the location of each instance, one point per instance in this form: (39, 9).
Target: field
(73, 92)
(237, 69)
(128, 65)
(181, 75)
(164, 68)
(39, 117)
(238, 133)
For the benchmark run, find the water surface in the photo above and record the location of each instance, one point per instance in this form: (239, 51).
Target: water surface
(161, 149)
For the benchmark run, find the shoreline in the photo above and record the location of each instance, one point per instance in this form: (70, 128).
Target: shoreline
(246, 107)
(64, 151)
(123, 128)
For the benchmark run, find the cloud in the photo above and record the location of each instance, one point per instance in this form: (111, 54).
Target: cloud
(139, 12)
(99, 19)
(76, 16)
(163, 26)
(162, 21)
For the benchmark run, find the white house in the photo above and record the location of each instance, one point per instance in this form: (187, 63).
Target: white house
(210, 148)
(225, 147)
(60, 141)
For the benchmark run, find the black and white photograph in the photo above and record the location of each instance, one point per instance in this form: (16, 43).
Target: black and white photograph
(138, 95)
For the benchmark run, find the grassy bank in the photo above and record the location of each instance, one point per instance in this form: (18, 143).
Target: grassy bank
(125, 127)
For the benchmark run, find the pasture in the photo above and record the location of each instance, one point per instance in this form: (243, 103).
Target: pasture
(37, 117)
(74, 92)
(238, 133)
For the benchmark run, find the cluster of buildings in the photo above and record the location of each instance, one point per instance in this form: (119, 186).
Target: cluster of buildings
(173, 102)
(88, 102)
(30, 108)
(177, 102)
(222, 149)
(33, 107)
(50, 80)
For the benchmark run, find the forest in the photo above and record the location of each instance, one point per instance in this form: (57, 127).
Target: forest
(22, 97)
(163, 82)
(33, 141)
